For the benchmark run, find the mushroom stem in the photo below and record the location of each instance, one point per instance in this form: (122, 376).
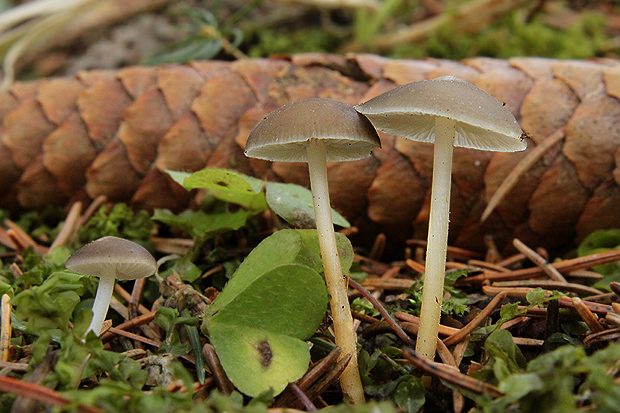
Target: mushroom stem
(437, 244)
(102, 302)
(344, 332)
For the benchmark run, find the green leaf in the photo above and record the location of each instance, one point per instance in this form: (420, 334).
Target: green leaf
(453, 276)
(226, 185)
(187, 270)
(257, 361)
(273, 300)
(509, 311)
(536, 296)
(517, 386)
(410, 394)
(198, 223)
(370, 407)
(559, 381)
(194, 48)
(362, 305)
(168, 319)
(178, 176)
(284, 247)
(294, 204)
(291, 202)
(602, 241)
(310, 254)
(506, 358)
(257, 327)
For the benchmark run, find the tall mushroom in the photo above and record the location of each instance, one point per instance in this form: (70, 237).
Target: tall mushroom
(449, 112)
(110, 259)
(316, 131)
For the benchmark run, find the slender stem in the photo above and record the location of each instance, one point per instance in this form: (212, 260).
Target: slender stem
(102, 302)
(432, 294)
(5, 327)
(346, 337)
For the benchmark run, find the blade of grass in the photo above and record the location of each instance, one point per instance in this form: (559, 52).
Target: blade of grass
(194, 340)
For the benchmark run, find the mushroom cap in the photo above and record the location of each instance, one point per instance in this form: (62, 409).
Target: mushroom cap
(126, 259)
(284, 134)
(482, 122)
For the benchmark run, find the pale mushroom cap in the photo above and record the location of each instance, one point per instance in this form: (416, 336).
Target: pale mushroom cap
(284, 134)
(410, 110)
(124, 258)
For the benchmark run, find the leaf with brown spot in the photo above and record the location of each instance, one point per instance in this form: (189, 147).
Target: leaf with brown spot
(259, 335)
(257, 324)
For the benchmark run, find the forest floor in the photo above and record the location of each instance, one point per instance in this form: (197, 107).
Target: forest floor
(526, 332)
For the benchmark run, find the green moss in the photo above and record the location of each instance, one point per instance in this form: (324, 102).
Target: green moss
(119, 221)
(282, 41)
(510, 37)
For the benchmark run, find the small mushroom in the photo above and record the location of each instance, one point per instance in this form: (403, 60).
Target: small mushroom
(110, 259)
(449, 112)
(316, 131)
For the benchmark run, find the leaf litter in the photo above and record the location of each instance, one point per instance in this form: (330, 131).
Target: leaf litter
(237, 318)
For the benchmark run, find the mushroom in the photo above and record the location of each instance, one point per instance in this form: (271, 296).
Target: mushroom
(110, 259)
(316, 131)
(449, 112)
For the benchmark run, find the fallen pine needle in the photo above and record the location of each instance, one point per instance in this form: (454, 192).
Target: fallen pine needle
(513, 177)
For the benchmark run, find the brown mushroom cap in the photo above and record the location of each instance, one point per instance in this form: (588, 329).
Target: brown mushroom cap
(284, 134)
(410, 110)
(126, 259)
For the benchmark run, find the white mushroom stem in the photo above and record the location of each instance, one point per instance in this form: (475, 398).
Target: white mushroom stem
(102, 301)
(432, 294)
(344, 331)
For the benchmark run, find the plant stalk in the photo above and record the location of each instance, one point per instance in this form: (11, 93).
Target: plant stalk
(102, 302)
(344, 332)
(437, 245)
